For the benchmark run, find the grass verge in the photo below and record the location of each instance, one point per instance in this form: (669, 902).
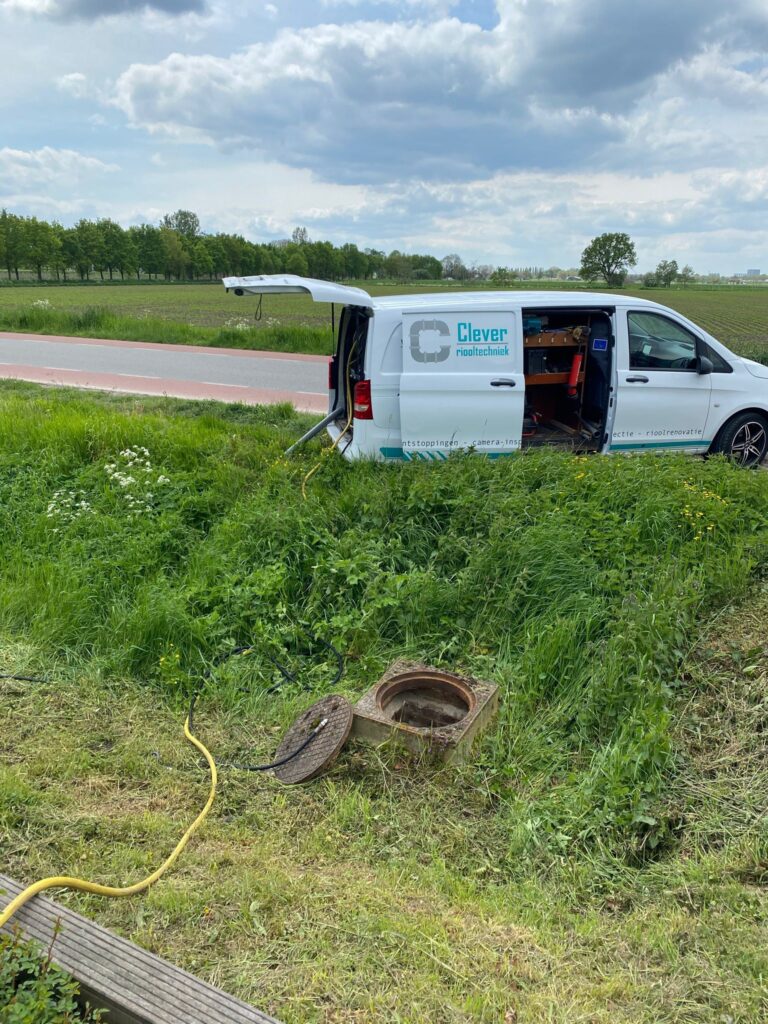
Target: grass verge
(581, 868)
(102, 322)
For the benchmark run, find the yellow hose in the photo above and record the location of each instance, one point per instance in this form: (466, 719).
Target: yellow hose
(65, 882)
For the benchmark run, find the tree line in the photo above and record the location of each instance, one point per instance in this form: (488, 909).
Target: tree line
(176, 249)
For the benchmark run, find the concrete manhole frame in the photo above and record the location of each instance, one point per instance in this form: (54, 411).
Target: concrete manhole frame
(471, 703)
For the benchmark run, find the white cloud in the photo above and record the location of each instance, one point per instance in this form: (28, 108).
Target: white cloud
(28, 6)
(93, 9)
(75, 83)
(444, 98)
(20, 168)
(422, 125)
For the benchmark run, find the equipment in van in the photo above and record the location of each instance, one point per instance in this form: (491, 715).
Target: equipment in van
(420, 376)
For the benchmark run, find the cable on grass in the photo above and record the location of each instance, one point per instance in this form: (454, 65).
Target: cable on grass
(82, 885)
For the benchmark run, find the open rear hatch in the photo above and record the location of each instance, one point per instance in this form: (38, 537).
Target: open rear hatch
(321, 291)
(346, 366)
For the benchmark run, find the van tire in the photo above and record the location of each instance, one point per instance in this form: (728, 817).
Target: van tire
(743, 439)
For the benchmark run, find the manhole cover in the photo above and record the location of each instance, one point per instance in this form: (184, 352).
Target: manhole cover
(324, 748)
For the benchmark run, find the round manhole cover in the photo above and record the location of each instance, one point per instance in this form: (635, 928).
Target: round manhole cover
(324, 748)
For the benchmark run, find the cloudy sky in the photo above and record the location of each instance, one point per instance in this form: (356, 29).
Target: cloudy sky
(510, 131)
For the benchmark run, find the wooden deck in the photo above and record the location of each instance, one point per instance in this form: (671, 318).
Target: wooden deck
(116, 975)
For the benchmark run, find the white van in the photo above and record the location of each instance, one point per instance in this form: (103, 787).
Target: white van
(420, 376)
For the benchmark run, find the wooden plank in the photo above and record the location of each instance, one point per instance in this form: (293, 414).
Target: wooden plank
(136, 986)
(554, 339)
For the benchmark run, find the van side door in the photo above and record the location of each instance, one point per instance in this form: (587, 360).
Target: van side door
(662, 400)
(462, 384)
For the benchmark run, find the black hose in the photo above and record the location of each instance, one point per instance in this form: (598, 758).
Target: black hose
(288, 676)
(282, 761)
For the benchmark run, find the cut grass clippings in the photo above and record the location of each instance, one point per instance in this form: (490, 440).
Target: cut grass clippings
(568, 873)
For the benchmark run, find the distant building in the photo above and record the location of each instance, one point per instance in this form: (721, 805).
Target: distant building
(753, 273)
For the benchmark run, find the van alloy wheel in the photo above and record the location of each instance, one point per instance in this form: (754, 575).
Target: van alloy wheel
(749, 443)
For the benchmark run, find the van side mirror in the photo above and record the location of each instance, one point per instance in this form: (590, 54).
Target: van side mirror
(704, 365)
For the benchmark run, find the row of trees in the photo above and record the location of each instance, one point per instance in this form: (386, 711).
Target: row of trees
(176, 249)
(610, 256)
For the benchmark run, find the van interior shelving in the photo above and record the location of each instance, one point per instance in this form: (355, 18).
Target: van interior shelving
(567, 358)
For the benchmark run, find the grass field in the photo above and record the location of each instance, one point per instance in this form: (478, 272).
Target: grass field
(604, 856)
(206, 314)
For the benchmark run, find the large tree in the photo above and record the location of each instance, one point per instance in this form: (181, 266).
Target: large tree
(686, 275)
(114, 246)
(608, 256)
(453, 266)
(88, 248)
(14, 243)
(666, 272)
(42, 245)
(183, 222)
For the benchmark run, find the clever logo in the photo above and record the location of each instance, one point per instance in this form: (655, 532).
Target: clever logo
(421, 355)
(481, 341)
(480, 335)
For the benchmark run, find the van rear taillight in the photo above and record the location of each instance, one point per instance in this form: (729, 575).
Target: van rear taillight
(362, 401)
(332, 373)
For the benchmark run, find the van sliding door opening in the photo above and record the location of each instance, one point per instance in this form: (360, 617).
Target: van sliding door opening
(568, 356)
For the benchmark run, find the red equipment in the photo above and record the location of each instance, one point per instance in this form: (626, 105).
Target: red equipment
(573, 376)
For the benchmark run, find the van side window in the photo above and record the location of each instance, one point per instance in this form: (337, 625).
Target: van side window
(657, 343)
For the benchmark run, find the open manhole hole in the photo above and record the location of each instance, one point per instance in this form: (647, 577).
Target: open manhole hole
(425, 700)
(426, 710)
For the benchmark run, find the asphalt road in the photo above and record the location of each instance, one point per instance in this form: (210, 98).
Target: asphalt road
(180, 371)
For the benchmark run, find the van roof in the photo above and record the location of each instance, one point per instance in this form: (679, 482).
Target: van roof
(459, 300)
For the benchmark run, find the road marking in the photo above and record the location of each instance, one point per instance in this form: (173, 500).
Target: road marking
(141, 376)
(221, 383)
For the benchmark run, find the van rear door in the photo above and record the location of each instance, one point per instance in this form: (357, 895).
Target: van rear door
(462, 384)
(276, 284)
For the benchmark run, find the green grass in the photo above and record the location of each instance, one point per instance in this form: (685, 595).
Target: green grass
(103, 322)
(589, 864)
(207, 315)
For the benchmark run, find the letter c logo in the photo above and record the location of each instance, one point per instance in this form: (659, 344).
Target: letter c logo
(420, 327)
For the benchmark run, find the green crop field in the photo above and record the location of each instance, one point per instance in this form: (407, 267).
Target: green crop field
(206, 314)
(601, 858)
